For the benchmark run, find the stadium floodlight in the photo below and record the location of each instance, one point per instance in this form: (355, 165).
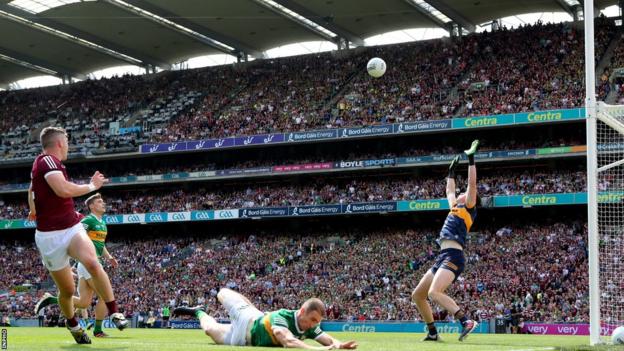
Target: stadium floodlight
(70, 37)
(175, 26)
(286, 12)
(432, 10)
(37, 6)
(28, 65)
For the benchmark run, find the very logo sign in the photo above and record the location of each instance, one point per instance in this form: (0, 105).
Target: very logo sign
(558, 329)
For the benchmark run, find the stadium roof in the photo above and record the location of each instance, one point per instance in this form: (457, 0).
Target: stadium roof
(72, 38)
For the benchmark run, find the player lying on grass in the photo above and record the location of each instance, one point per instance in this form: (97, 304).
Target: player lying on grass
(250, 327)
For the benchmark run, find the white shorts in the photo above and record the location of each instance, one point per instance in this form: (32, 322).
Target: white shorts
(53, 246)
(241, 314)
(82, 272)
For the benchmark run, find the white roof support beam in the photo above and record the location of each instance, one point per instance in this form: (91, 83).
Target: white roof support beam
(323, 22)
(453, 15)
(145, 59)
(440, 23)
(596, 9)
(569, 6)
(27, 21)
(300, 20)
(37, 64)
(213, 43)
(158, 11)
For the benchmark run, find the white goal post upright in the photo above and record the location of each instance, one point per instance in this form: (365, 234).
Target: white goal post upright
(605, 200)
(592, 174)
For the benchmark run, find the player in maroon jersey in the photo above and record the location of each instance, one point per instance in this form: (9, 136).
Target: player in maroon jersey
(59, 234)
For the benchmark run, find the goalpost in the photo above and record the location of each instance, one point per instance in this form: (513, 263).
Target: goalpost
(605, 200)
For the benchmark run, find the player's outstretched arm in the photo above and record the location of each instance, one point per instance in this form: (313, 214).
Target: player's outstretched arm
(326, 339)
(450, 182)
(471, 192)
(287, 339)
(65, 189)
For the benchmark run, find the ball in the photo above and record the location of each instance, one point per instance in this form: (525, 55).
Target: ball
(376, 67)
(618, 336)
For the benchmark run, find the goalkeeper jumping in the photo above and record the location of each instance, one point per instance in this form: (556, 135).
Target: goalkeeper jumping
(450, 262)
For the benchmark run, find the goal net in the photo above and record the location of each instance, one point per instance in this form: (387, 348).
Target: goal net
(609, 187)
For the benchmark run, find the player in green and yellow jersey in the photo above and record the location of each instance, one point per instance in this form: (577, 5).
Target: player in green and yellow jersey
(249, 326)
(96, 230)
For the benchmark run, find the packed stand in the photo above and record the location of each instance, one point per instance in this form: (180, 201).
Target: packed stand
(536, 67)
(360, 276)
(324, 191)
(121, 169)
(415, 87)
(615, 75)
(88, 110)
(310, 91)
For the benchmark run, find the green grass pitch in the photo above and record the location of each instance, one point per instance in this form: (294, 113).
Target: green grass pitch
(49, 339)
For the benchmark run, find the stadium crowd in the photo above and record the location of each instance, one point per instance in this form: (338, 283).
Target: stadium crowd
(425, 80)
(360, 275)
(322, 191)
(122, 169)
(543, 69)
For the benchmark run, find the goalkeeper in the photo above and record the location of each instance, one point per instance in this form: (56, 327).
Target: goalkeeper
(450, 262)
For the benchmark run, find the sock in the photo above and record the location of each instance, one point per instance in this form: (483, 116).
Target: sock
(200, 314)
(98, 326)
(432, 329)
(471, 160)
(72, 322)
(461, 317)
(112, 307)
(54, 300)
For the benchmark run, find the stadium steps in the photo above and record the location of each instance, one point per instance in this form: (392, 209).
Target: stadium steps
(331, 102)
(136, 115)
(605, 61)
(454, 92)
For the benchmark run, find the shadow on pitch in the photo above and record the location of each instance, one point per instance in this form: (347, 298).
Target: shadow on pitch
(91, 348)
